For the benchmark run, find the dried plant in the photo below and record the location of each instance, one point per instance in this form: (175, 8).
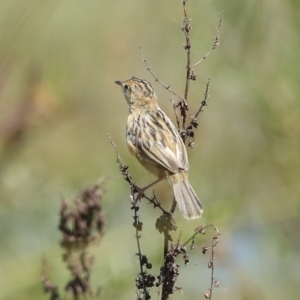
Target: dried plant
(82, 224)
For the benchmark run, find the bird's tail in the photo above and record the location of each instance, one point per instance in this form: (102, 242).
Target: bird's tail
(186, 198)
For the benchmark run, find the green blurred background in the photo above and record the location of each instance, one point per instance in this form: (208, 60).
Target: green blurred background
(58, 63)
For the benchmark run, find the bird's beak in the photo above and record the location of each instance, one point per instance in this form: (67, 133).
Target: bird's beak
(118, 82)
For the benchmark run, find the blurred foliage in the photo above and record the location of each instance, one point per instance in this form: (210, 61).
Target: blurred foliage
(58, 63)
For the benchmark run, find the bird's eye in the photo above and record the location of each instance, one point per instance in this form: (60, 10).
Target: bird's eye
(126, 88)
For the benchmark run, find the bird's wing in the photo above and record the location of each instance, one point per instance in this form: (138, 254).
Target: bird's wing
(157, 141)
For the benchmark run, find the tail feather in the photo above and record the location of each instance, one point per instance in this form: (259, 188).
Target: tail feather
(186, 198)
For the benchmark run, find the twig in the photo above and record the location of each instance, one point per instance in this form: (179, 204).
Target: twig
(164, 292)
(214, 242)
(186, 28)
(167, 87)
(176, 114)
(188, 131)
(214, 46)
(138, 227)
(211, 266)
(203, 102)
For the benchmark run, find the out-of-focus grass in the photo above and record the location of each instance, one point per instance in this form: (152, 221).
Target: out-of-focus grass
(66, 55)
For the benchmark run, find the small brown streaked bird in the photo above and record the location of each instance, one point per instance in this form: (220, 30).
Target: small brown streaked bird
(153, 139)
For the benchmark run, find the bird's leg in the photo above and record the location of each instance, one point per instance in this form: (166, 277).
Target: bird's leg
(141, 191)
(173, 206)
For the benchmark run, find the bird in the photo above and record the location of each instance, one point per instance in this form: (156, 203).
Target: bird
(153, 139)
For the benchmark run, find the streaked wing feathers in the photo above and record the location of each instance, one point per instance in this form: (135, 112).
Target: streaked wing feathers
(157, 141)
